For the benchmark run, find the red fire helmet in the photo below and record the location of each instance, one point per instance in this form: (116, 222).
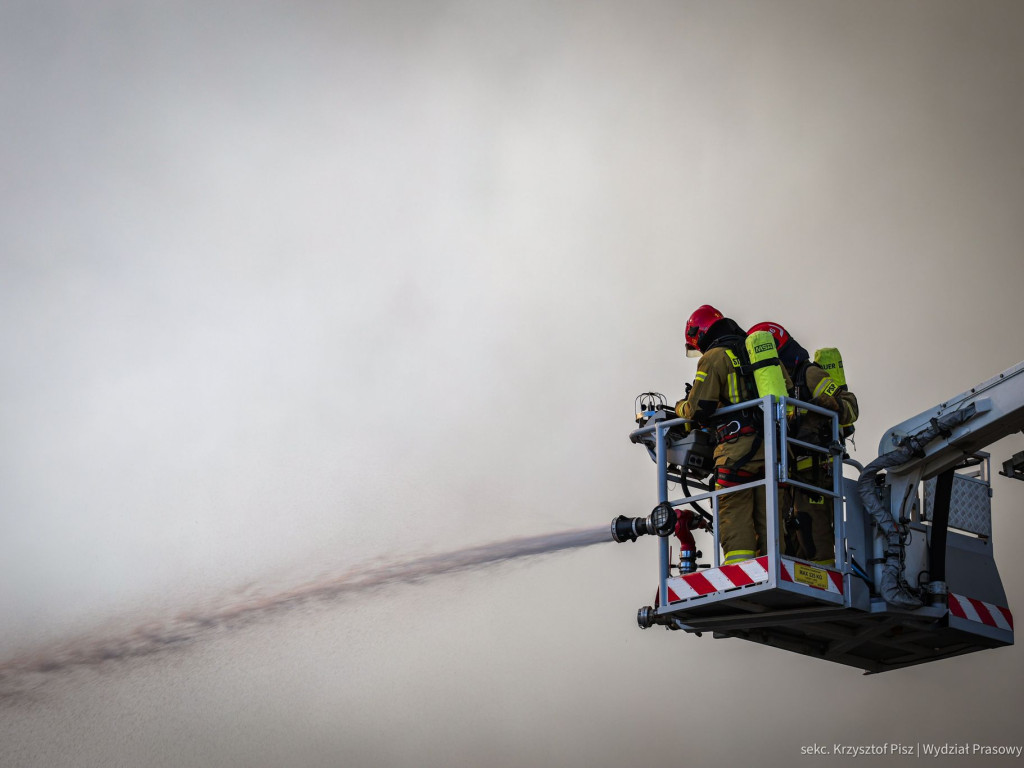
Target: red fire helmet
(777, 331)
(703, 317)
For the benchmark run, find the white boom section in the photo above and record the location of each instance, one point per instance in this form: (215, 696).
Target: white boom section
(999, 411)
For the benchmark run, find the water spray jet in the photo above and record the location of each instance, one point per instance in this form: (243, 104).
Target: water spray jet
(156, 638)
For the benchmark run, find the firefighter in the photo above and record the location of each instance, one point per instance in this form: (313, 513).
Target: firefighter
(813, 536)
(739, 451)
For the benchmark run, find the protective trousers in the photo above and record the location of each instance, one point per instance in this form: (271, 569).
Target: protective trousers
(815, 535)
(741, 515)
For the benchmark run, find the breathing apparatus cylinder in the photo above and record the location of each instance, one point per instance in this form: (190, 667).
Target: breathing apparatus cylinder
(832, 362)
(764, 360)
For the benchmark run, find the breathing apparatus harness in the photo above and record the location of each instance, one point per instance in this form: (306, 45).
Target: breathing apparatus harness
(737, 423)
(803, 392)
(752, 376)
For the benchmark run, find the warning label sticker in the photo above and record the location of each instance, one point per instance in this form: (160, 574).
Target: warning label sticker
(813, 577)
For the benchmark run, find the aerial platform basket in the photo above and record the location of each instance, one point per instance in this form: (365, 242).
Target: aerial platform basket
(950, 598)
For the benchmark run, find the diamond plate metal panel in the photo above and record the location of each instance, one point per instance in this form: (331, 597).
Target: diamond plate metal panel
(970, 506)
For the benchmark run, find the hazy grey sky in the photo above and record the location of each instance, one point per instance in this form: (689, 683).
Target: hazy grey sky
(290, 286)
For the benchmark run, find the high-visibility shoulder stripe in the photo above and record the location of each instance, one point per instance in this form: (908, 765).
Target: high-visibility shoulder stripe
(732, 383)
(701, 375)
(826, 386)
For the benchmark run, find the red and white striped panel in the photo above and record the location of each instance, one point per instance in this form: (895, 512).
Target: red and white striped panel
(975, 610)
(833, 584)
(717, 579)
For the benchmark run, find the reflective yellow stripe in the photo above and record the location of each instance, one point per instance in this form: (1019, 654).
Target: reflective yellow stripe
(825, 387)
(847, 414)
(830, 359)
(738, 555)
(732, 382)
(808, 462)
(701, 375)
